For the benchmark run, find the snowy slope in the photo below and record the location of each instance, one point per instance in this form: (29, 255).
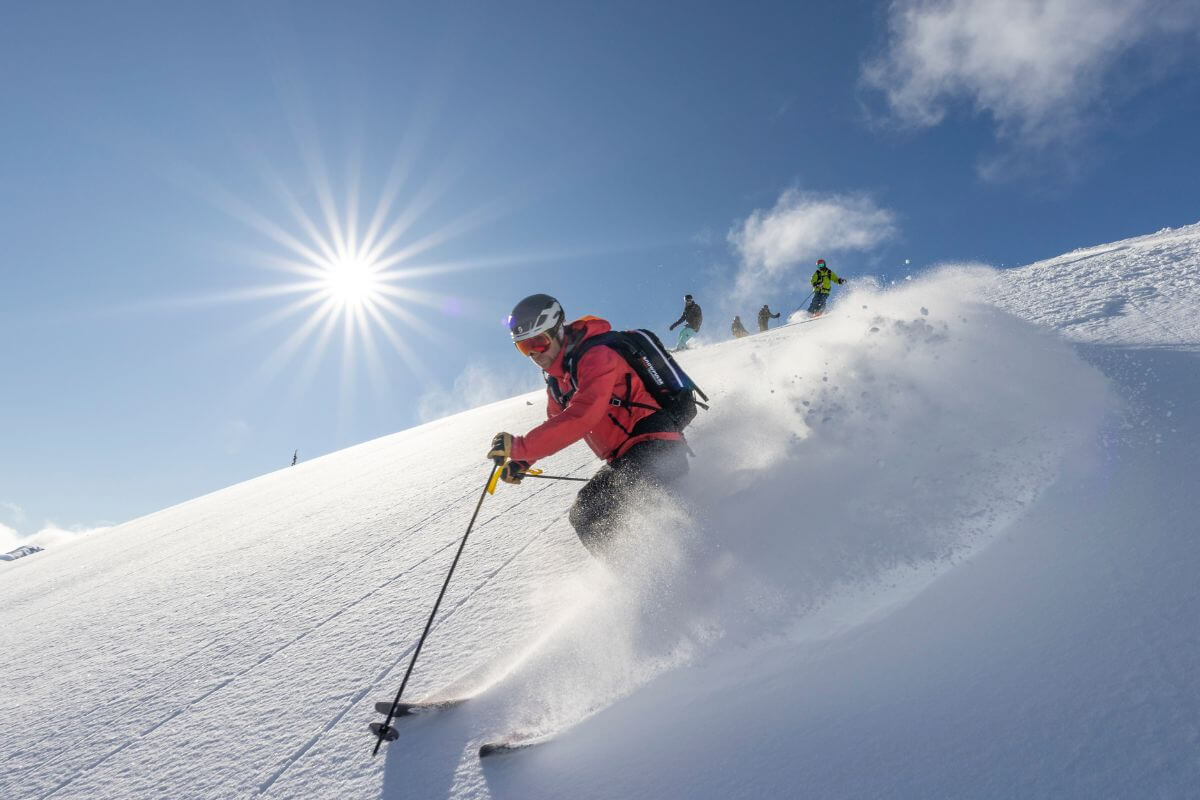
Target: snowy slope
(1143, 291)
(928, 548)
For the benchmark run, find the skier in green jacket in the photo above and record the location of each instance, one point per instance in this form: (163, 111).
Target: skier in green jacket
(822, 282)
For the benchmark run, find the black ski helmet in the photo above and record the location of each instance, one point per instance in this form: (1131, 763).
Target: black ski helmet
(538, 313)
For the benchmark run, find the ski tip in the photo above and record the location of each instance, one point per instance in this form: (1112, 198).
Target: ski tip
(491, 748)
(509, 745)
(385, 707)
(385, 732)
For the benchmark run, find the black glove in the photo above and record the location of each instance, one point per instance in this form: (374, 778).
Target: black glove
(672, 327)
(501, 447)
(841, 280)
(514, 471)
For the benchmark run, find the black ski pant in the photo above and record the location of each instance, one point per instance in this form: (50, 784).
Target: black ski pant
(651, 464)
(818, 302)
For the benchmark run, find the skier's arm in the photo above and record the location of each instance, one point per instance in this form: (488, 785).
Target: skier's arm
(835, 278)
(682, 317)
(598, 373)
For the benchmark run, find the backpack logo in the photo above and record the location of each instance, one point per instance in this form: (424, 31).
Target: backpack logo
(649, 368)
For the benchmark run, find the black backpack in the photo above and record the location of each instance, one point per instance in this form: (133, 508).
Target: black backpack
(662, 376)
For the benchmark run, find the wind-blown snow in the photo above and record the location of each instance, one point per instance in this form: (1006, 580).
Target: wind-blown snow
(937, 543)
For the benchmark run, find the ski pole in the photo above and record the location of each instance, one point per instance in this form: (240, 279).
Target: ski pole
(805, 300)
(388, 722)
(536, 474)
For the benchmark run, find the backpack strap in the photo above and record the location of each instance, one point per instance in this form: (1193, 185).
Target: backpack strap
(629, 401)
(575, 348)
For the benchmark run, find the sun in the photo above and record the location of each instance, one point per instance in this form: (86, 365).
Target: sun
(352, 282)
(357, 273)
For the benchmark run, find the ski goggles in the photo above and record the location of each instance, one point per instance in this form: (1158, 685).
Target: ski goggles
(534, 344)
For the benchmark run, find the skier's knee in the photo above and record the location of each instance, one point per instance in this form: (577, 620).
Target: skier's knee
(593, 522)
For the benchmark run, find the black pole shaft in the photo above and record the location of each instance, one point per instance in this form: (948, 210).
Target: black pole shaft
(557, 478)
(388, 722)
(805, 300)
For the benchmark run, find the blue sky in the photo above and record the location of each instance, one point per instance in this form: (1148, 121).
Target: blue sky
(168, 168)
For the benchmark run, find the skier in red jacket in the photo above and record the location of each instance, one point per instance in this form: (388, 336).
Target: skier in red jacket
(603, 411)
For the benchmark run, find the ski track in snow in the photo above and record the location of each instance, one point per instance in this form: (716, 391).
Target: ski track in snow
(929, 424)
(170, 667)
(445, 616)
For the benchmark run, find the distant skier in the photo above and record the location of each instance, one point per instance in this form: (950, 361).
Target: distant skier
(608, 407)
(738, 329)
(690, 319)
(764, 314)
(295, 457)
(822, 283)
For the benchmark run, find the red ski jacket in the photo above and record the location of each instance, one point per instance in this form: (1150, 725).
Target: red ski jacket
(590, 414)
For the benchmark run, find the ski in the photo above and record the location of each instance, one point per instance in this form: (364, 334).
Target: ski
(410, 709)
(388, 733)
(512, 743)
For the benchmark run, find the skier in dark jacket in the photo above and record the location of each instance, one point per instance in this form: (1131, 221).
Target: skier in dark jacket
(822, 282)
(738, 329)
(765, 314)
(608, 403)
(690, 319)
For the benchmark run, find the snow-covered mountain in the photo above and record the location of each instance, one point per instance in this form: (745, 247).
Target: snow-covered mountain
(939, 543)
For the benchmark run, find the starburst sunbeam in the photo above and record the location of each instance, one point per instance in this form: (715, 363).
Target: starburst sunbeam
(357, 260)
(351, 283)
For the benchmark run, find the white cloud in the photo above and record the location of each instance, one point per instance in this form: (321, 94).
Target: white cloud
(50, 536)
(1037, 66)
(8, 539)
(475, 386)
(802, 227)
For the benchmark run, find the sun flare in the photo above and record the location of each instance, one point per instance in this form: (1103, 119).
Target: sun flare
(354, 273)
(353, 281)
